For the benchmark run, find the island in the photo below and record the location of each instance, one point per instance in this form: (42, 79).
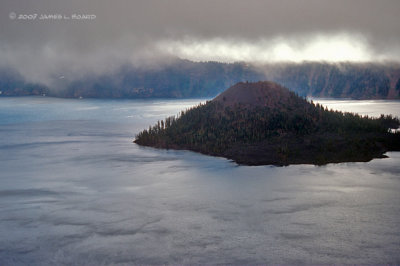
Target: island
(264, 123)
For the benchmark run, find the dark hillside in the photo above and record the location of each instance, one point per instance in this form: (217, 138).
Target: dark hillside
(259, 94)
(265, 123)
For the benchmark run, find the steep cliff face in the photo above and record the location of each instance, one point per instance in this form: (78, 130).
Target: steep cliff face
(342, 80)
(177, 79)
(186, 79)
(13, 84)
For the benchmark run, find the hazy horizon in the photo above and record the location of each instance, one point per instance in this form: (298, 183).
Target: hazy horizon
(43, 39)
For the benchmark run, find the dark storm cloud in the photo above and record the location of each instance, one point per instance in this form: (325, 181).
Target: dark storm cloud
(133, 31)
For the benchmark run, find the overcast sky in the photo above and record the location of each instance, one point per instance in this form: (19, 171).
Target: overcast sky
(223, 30)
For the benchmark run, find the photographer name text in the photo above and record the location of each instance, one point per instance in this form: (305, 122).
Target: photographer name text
(51, 17)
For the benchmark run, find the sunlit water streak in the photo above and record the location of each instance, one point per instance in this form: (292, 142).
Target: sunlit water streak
(366, 107)
(74, 189)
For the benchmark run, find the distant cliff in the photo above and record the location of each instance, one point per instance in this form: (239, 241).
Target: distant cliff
(341, 80)
(176, 79)
(265, 123)
(13, 84)
(186, 79)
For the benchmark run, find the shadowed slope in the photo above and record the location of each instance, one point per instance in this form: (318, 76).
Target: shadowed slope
(259, 94)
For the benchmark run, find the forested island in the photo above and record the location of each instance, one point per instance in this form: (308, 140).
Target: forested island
(264, 123)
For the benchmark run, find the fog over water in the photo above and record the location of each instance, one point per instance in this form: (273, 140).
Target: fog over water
(74, 189)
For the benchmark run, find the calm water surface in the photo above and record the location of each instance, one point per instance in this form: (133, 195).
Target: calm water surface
(74, 189)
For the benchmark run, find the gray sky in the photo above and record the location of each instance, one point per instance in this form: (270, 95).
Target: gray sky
(223, 30)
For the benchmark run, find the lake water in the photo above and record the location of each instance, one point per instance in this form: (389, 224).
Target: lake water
(74, 189)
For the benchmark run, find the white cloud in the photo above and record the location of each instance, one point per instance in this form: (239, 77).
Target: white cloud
(338, 47)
